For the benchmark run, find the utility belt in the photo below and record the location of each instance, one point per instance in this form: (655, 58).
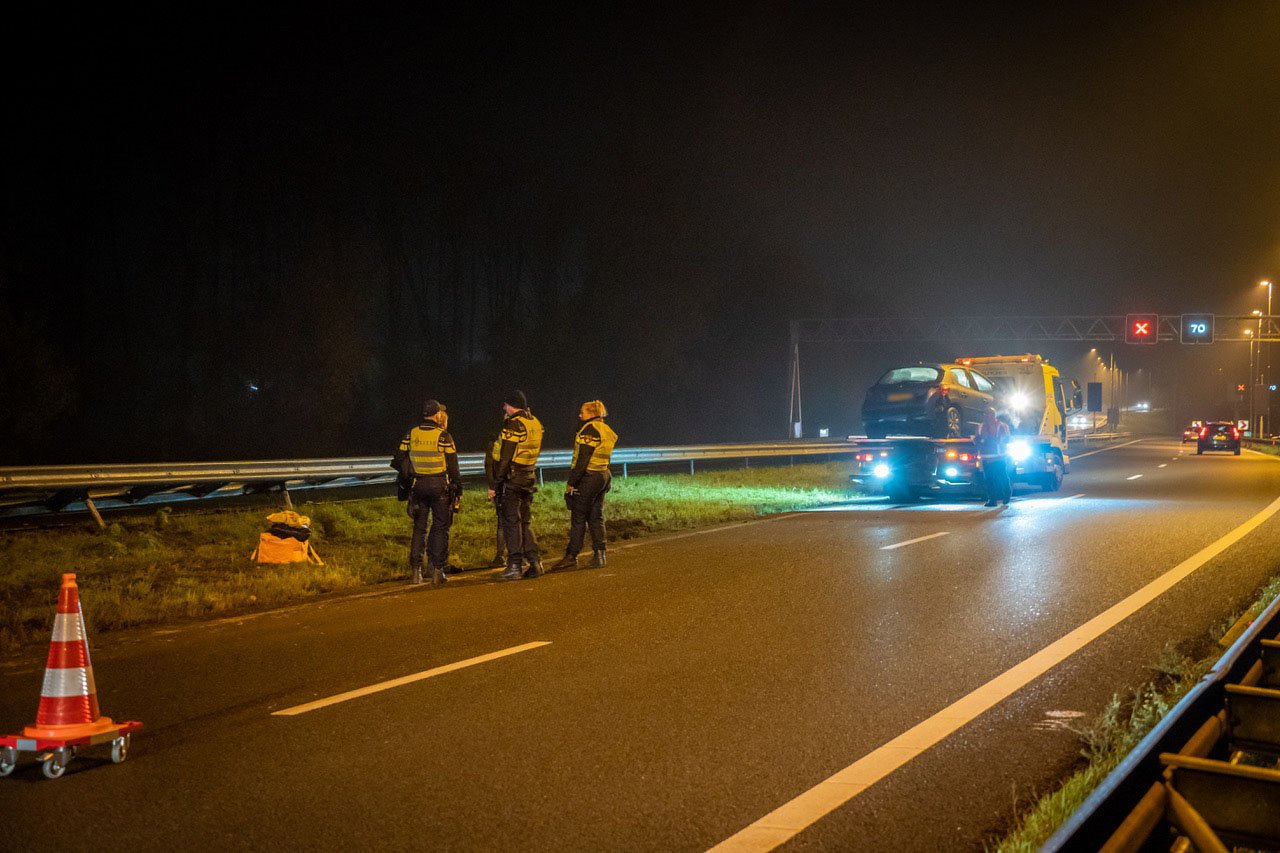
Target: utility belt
(522, 477)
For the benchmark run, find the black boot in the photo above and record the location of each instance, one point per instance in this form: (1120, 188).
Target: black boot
(497, 562)
(437, 576)
(416, 576)
(513, 570)
(568, 561)
(535, 568)
(597, 558)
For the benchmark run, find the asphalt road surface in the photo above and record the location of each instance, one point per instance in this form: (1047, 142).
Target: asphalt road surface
(686, 692)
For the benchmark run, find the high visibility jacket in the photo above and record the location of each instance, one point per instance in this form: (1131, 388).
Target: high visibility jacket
(428, 448)
(520, 444)
(592, 448)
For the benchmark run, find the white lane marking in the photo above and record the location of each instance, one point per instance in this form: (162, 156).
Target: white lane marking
(1163, 465)
(1057, 721)
(914, 541)
(1134, 477)
(1073, 497)
(405, 679)
(659, 540)
(791, 818)
(1105, 449)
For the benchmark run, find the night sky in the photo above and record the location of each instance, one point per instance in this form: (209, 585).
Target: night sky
(252, 233)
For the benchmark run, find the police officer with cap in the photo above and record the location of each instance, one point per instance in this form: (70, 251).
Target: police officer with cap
(589, 480)
(513, 482)
(427, 460)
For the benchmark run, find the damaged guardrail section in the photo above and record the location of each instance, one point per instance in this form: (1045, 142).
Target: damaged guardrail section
(1208, 772)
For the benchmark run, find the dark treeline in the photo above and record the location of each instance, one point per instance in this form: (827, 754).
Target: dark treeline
(270, 231)
(279, 251)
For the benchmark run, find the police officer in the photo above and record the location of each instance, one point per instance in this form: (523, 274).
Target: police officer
(427, 460)
(513, 482)
(589, 480)
(491, 458)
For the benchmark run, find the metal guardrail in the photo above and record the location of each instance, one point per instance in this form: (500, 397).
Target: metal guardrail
(35, 491)
(1186, 777)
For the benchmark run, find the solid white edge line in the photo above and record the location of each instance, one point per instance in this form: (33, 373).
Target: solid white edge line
(405, 679)
(1072, 497)
(1076, 456)
(914, 541)
(1134, 477)
(790, 819)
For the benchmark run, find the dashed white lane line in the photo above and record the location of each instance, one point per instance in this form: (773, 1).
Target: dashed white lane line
(1134, 477)
(1105, 449)
(405, 679)
(914, 541)
(1072, 497)
(1163, 465)
(791, 818)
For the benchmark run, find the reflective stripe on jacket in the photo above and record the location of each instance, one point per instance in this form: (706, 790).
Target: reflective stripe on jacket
(525, 431)
(597, 439)
(428, 445)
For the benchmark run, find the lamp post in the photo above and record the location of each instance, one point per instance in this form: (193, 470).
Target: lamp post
(1255, 380)
(1248, 333)
(1262, 378)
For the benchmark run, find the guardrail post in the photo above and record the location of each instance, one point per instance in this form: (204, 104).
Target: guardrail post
(93, 510)
(539, 476)
(690, 466)
(624, 470)
(746, 462)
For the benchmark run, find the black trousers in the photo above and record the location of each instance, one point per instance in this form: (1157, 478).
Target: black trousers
(995, 477)
(430, 504)
(516, 511)
(500, 539)
(587, 510)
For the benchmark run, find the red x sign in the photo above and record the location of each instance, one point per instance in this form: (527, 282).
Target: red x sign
(1141, 328)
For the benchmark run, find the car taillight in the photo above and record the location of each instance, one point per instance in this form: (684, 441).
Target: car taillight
(965, 457)
(951, 454)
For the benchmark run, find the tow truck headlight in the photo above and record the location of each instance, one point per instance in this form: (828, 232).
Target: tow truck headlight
(1018, 401)
(881, 471)
(952, 472)
(1019, 451)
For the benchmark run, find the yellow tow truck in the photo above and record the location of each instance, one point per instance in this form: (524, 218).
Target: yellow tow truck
(1034, 395)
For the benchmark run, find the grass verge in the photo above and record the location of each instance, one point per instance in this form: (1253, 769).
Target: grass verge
(179, 565)
(1113, 733)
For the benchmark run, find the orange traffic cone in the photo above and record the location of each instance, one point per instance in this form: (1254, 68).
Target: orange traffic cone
(69, 699)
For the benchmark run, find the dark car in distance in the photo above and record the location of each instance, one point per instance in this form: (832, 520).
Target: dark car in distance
(1218, 436)
(932, 400)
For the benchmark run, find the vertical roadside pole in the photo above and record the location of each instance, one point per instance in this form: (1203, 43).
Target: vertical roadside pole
(288, 501)
(93, 510)
(795, 411)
